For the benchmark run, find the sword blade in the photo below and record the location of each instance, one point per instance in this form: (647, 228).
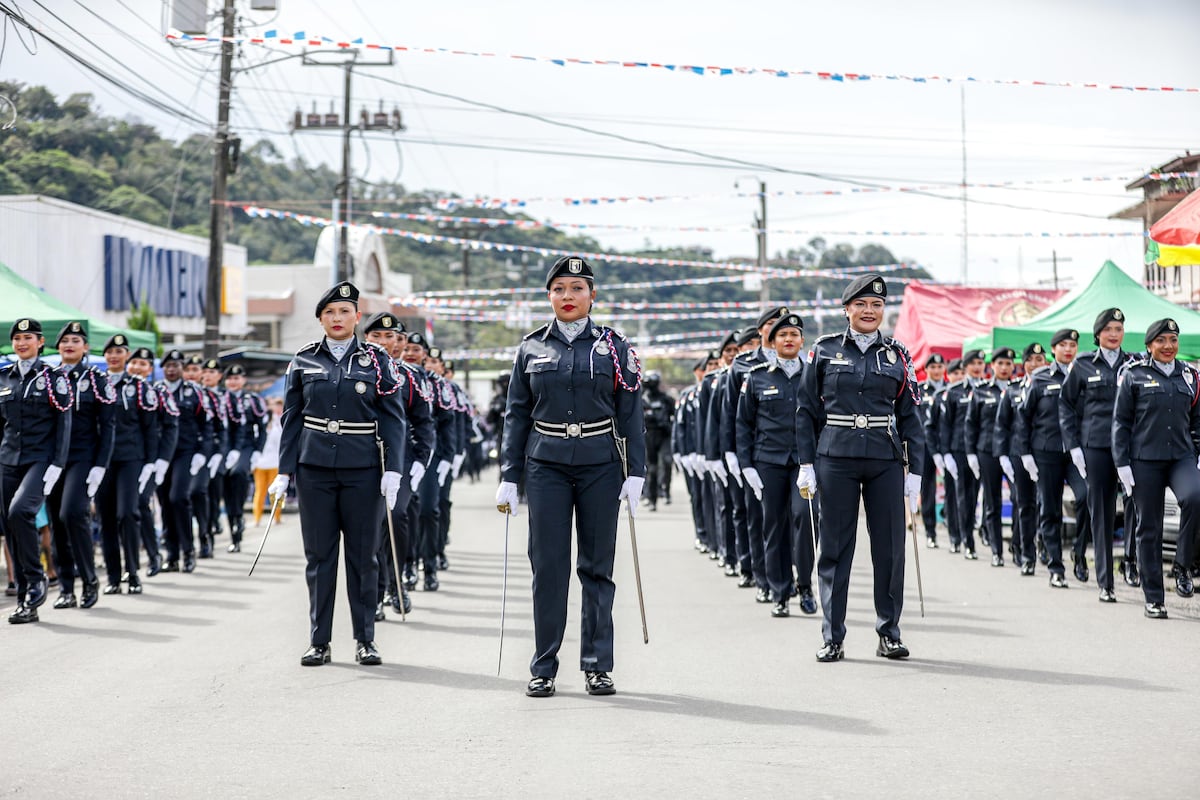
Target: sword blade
(503, 595)
(263, 543)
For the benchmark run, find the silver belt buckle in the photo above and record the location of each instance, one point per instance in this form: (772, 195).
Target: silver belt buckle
(860, 420)
(333, 426)
(574, 430)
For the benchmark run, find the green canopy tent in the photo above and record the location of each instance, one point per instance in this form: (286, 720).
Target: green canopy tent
(1078, 309)
(20, 298)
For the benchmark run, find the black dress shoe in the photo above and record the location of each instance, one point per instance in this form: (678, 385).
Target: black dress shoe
(746, 581)
(10, 590)
(172, 566)
(781, 610)
(316, 655)
(997, 561)
(1107, 596)
(1057, 581)
(189, 563)
(931, 542)
(135, 585)
(1027, 568)
(808, 603)
(955, 548)
(1183, 580)
(66, 600)
(112, 588)
(35, 595)
(366, 654)
(23, 614)
(1153, 611)
(540, 687)
(599, 683)
(91, 593)
(1081, 571)
(236, 547)
(762, 596)
(431, 583)
(1042, 554)
(379, 615)
(970, 555)
(832, 651)
(405, 600)
(154, 567)
(891, 648)
(731, 571)
(442, 563)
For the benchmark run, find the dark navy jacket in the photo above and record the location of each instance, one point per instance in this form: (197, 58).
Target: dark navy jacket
(421, 432)
(1040, 429)
(91, 416)
(1085, 404)
(1006, 428)
(738, 370)
(952, 417)
(168, 421)
(36, 412)
(979, 430)
(195, 419)
(766, 416)
(1157, 418)
(135, 419)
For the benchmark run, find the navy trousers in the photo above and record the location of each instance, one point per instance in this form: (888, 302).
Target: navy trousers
(1150, 480)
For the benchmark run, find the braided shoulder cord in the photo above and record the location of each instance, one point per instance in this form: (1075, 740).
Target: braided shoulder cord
(637, 364)
(50, 389)
(379, 375)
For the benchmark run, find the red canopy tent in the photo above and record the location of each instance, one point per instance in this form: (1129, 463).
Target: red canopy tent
(936, 318)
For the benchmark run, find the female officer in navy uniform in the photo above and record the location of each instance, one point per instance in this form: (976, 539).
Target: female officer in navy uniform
(338, 411)
(858, 421)
(1155, 442)
(574, 391)
(35, 407)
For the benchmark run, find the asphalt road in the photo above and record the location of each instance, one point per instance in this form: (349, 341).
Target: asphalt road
(194, 688)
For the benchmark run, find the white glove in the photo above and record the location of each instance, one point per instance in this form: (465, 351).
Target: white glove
(631, 493)
(197, 463)
(279, 486)
(678, 461)
(735, 469)
(973, 463)
(951, 465)
(754, 481)
(389, 487)
(417, 472)
(160, 470)
(912, 488)
(507, 494)
(231, 460)
(255, 457)
(1030, 467)
(1079, 461)
(1125, 473)
(95, 477)
(443, 469)
(214, 464)
(693, 459)
(939, 462)
(50, 478)
(456, 465)
(144, 477)
(807, 480)
(1007, 465)
(718, 468)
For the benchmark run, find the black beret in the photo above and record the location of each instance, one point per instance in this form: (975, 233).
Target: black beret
(714, 355)
(870, 285)
(195, 361)
(235, 369)
(1159, 327)
(747, 335)
(1063, 335)
(212, 363)
(1004, 352)
(972, 355)
(173, 355)
(73, 328)
(954, 365)
(116, 340)
(1033, 349)
(1106, 316)
(435, 352)
(449, 366)
(144, 353)
(730, 338)
(572, 267)
(25, 325)
(344, 292)
(935, 358)
(771, 314)
(383, 321)
(789, 321)
(701, 364)
(416, 337)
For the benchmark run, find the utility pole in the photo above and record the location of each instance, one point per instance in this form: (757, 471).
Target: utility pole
(343, 261)
(1054, 259)
(216, 225)
(764, 294)
(962, 93)
(468, 329)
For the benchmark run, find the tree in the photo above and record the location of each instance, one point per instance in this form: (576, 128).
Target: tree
(142, 318)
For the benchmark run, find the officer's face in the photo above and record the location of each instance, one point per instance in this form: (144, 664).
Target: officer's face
(975, 368)
(72, 348)
(139, 367)
(385, 339)
(1112, 335)
(1064, 351)
(571, 298)
(1002, 368)
(26, 345)
(935, 372)
(211, 378)
(234, 383)
(711, 365)
(1034, 361)
(192, 372)
(115, 357)
(728, 354)
(865, 314)
(172, 370)
(788, 342)
(954, 375)
(435, 366)
(750, 345)
(1164, 348)
(397, 349)
(338, 319)
(413, 353)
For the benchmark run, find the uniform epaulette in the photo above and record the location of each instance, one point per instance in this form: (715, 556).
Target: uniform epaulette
(827, 336)
(536, 332)
(310, 346)
(757, 367)
(619, 334)
(376, 345)
(1041, 369)
(749, 354)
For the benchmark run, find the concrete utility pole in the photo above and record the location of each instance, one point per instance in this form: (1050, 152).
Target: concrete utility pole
(764, 294)
(1054, 259)
(216, 225)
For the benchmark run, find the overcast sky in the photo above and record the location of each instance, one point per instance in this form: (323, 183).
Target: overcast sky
(887, 133)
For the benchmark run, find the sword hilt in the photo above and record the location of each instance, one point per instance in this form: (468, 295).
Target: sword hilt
(503, 508)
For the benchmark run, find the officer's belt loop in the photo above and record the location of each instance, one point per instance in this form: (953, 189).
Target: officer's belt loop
(574, 430)
(859, 420)
(339, 426)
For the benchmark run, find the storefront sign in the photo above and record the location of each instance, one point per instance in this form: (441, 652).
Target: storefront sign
(172, 282)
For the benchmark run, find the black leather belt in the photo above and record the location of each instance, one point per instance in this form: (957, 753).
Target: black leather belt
(573, 430)
(339, 426)
(858, 420)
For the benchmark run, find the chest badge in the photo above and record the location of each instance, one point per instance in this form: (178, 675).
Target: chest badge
(602, 349)
(130, 390)
(40, 383)
(360, 387)
(84, 383)
(839, 355)
(364, 361)
(891, 356)
(1187, 377)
